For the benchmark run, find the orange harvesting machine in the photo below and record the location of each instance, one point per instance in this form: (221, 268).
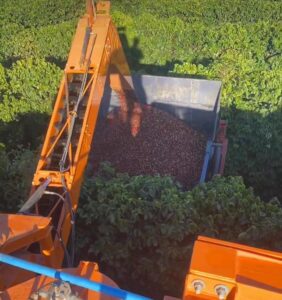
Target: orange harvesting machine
(33, 242)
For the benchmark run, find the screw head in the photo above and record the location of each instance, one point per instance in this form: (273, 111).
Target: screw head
(198, 286)
(221, 291)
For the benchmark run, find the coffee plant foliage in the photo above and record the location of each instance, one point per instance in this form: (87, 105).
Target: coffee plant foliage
(51, 42)
(16, 170)
(208, 12)
(144, 223)
(36, 13)
(31, 87)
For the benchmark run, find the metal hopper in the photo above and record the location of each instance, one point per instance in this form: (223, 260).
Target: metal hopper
(195, 101)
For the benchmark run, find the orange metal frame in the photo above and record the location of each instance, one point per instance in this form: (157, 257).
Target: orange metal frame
(106, 51)
(97, 52)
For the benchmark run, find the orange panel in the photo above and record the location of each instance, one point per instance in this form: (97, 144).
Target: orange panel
(237, 272)
(18, 231)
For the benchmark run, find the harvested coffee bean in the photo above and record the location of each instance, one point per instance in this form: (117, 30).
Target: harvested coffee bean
(163, 145)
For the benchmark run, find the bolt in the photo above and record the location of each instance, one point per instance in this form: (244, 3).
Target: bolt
(221, 291)
(198, 286)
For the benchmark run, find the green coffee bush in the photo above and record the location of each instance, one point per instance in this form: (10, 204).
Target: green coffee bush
(33, 84)
(141, 229)
(36, 13)
(209, 12)
(16, 172)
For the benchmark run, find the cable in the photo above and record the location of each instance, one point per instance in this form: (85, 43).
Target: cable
(72, 213)
(64, 248)
(70, 258)
(56, 194)
(74, 112)
(65, 153)
(56, 205)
